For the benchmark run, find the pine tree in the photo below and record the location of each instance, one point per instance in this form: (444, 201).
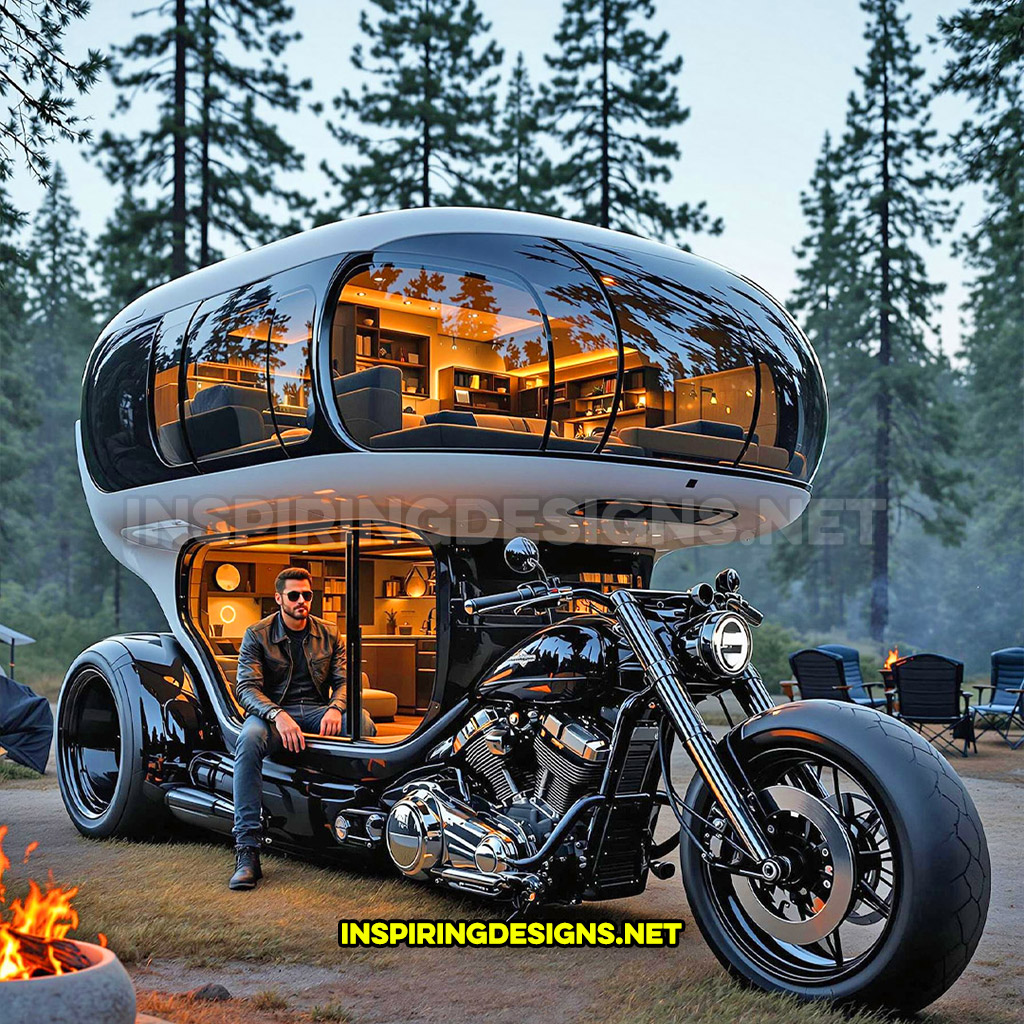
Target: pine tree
(18, 393)
(523, 177)
(986, 66)
(433, 93)
(133, 253)
(38, 83)
(829, 299)
(611, 106)
(62, 546)
(210, 156)
(894, 187)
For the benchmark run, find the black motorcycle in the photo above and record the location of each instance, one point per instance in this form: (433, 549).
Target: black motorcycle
(826, 849)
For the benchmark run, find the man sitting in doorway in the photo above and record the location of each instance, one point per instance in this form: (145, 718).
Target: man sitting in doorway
(291, 680)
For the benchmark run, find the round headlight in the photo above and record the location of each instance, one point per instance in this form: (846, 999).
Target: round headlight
(725, 645)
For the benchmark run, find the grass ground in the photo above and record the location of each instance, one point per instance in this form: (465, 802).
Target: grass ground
(168, 914)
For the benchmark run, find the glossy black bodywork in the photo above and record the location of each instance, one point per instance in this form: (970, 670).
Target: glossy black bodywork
(187, 724)
(568, 662)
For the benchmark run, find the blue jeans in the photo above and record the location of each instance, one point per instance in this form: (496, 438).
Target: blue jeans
(257, 740)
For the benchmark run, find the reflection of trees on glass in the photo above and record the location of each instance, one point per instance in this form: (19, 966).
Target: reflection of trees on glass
(288, 358)
(685, 331)
(235, 332)
(576, 309)
(475, 295)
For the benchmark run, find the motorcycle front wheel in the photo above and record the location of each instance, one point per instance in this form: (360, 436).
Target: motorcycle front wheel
(890, 884)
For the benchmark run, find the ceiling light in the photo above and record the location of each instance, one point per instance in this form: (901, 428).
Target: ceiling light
(360, 294)
(406, 302)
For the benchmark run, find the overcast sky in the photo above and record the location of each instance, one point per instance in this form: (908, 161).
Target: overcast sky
(764, 81)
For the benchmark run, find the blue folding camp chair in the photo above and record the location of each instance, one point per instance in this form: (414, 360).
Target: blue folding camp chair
(1006, 705)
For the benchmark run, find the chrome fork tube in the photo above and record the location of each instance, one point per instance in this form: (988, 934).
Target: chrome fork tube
(663, 674)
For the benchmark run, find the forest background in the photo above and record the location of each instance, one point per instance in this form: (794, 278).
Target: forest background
(883, 202)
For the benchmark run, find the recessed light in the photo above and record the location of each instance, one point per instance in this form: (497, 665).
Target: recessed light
(360, 294)
(406, 302)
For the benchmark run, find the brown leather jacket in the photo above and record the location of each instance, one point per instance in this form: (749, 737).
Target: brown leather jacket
(265, 664)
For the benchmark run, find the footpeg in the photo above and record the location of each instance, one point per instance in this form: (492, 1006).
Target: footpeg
(662, 869)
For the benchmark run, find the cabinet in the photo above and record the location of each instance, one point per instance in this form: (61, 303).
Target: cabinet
(462, 387)
(366, 343)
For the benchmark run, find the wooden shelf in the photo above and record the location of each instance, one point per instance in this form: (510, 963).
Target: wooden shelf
(381, 361)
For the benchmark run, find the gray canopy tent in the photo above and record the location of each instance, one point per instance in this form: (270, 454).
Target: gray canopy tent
(15, 639)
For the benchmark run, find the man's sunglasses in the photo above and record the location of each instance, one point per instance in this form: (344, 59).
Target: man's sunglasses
(297, 595)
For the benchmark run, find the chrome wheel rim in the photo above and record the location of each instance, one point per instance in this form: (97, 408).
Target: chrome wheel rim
(801, 930)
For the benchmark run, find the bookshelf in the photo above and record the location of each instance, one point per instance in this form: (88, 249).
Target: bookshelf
(462, 387)
(366, 343)
(586, 403)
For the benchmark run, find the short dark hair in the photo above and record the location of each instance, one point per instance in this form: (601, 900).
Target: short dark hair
(293, 572)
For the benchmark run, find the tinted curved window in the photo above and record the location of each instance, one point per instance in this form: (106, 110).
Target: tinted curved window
(724, 375)
(166, 376)
(115, 416)
(247, 372)
(291, 333)
(474, 342)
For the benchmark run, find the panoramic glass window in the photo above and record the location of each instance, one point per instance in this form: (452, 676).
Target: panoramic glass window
(711, 374)
(246, 374)
(166, 373)
(291, 330)
(433, 346)
(389, 575)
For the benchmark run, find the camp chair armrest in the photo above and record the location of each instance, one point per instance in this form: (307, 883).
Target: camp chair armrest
(790, 688)
(842, 687)
(870, 686)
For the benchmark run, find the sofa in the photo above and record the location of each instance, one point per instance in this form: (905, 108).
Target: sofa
(708, 440)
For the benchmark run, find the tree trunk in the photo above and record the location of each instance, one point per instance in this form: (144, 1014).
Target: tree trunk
(605, 215)
(425, 184)
(204, 142)
(880, 521)
(179, 265)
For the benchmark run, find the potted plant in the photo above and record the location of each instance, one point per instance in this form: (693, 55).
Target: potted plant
(390, 623)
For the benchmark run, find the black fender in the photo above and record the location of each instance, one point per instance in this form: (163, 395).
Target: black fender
(166, 718)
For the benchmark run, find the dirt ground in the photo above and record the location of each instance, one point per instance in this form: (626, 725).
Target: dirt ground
(424, 986)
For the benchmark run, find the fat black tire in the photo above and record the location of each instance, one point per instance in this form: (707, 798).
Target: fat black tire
(97, 726)
(942, 858)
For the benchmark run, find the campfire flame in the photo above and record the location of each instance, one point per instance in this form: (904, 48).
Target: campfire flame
(45, 914)
(893, 656)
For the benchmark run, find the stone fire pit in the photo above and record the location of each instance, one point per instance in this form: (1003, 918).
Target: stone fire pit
(100, 994)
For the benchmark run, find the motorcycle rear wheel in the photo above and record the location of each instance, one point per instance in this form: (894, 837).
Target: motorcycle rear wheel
(919, 874)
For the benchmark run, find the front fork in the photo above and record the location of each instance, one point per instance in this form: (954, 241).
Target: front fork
(663, 674)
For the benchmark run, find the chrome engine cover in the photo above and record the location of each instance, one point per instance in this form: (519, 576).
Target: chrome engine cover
(430, 832)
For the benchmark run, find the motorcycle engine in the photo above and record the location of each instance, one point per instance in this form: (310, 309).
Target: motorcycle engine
(519, 773)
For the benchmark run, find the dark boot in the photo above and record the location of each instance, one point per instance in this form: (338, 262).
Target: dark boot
(247, 868)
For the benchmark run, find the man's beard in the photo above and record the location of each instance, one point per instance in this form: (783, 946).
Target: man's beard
(300, 613)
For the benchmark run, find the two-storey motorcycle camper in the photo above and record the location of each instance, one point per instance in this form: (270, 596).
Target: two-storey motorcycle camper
(375, 399)
(478, 430)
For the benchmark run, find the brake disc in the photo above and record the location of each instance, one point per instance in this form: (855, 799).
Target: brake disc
(810, 906)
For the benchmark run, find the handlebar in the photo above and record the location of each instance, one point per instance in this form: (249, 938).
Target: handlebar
(524, 592)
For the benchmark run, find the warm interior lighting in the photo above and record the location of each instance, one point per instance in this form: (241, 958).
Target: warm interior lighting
(361, 294)
(227, 613)
(563, 362)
